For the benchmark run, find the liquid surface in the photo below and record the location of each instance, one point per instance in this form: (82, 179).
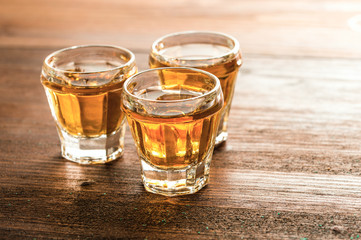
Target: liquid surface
(90, 65)
(156, 93)
(194, 51)
(88, 73)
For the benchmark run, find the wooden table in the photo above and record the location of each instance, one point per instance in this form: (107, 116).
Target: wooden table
(290, 169)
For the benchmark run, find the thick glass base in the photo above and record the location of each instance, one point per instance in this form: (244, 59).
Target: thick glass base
(94, 150)
(175, 182)
(222, 133)
(221, 138)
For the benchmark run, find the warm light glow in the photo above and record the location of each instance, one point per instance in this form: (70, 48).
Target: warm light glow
(74, 175)
(355, 23)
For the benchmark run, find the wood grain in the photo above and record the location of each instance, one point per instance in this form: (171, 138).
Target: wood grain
(278, 27)
(291, 166)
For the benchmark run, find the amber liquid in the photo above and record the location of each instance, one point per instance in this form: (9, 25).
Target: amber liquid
(86, 111)
(174, 138)
(226, 70)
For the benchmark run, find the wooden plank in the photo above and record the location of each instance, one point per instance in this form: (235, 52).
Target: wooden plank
(290, 169)
(279, 27)
(72, 213)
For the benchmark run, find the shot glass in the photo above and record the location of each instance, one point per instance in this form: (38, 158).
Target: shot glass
(173, 114)
(83, 85)
(214, 52)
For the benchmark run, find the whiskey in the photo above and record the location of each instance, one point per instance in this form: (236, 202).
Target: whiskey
(86, 111)
(86, 106)
(174, 138)
(226, 71)
(202, 56)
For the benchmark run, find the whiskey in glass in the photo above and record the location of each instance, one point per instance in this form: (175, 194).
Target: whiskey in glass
(214, 52)
(173, 114)
(83, 85)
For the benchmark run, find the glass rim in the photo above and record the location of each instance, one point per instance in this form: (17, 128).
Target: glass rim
(125, 65)
(216, 88)
(233, 51)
